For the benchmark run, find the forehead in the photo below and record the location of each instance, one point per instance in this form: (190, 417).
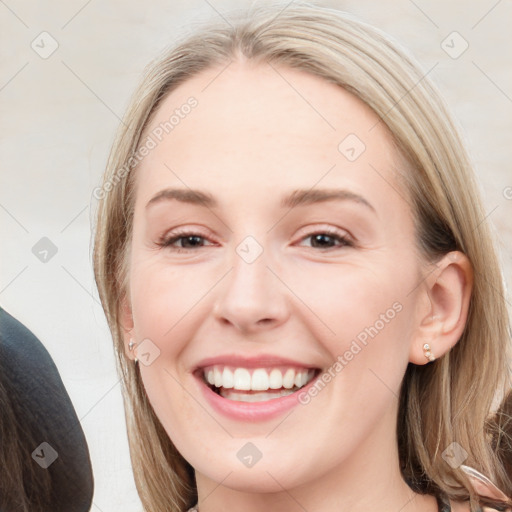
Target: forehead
(263, 126)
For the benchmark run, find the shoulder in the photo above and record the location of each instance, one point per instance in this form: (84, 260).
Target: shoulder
(20, 346)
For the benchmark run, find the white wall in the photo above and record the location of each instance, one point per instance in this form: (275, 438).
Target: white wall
(58, 116)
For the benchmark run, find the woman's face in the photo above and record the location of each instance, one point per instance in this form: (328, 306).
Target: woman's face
(301, 264)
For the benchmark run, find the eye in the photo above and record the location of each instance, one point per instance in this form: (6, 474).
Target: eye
(186, 240)
(327, 239)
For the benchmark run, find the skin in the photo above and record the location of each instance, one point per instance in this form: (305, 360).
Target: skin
(251, 140)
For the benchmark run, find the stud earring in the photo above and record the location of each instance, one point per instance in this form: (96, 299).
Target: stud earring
(428, 352)
(130, 348)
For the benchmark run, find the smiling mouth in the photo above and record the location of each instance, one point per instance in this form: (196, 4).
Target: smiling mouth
(256, 384)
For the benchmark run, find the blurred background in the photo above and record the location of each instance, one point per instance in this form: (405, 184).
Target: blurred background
(68, 69)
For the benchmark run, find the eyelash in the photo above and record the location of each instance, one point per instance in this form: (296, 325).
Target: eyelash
(167, 242)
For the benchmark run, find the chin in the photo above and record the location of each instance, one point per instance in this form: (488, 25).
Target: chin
(257, 483)
(269, 477)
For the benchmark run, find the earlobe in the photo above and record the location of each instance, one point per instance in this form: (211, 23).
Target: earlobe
(442, 322)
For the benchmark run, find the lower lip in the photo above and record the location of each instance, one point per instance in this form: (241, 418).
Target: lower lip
(252, 411)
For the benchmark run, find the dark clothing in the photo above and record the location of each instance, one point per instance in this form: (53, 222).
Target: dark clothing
(43, 412)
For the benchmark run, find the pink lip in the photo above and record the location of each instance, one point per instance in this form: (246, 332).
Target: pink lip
(251, 411)
(261, 361)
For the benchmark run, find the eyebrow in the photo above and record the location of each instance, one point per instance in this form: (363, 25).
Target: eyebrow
(299, 197)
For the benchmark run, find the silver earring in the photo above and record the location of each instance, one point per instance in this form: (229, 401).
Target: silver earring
(428, 352)
(130, 348)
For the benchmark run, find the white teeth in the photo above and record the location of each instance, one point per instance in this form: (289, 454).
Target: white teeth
(302, 378)
(218, 377)
(228, 379)
(259, 379)
(257, 397)
(276, 379)
(242, 379)
(289, 378)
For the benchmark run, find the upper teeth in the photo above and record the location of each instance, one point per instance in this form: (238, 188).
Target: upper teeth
(259, 379)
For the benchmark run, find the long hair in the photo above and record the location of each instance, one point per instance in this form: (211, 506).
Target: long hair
(450, 400)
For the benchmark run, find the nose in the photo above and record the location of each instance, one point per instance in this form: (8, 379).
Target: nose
(252, 297)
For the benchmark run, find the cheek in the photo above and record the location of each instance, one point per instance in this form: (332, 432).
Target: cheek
(162, 298)
(166, 304)
(351, 301)
(362, 316)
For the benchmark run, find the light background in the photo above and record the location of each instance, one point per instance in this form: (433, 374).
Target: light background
(57, 120)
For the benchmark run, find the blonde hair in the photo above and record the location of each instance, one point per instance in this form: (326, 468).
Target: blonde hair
(449, 400)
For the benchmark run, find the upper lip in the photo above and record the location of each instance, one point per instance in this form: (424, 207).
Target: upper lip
(244, 361)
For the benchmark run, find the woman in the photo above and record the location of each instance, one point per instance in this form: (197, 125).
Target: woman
(305, 301)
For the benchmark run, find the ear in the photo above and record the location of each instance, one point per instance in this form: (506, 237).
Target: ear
(126, 320)
(444, 311)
